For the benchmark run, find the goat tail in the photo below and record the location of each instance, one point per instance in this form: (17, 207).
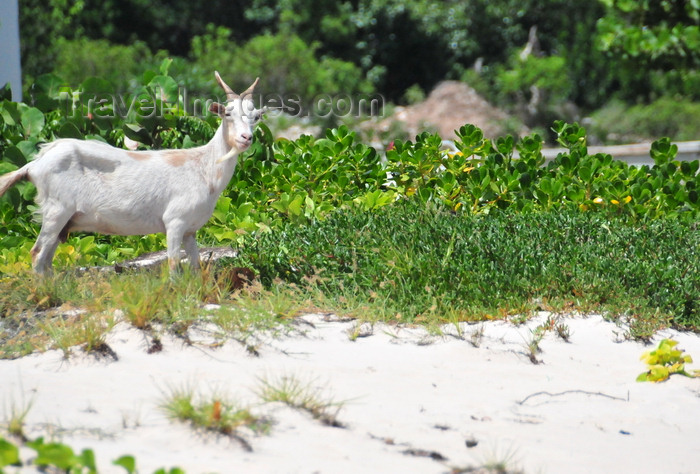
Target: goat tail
(8, 180)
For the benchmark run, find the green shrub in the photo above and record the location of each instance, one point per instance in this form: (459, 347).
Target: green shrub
(539, 86)
(120, 65)
(665, 117)
(287, 64)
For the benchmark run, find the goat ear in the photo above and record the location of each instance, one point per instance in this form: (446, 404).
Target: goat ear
(218, 109)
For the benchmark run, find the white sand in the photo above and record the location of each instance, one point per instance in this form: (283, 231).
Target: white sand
(403, 389)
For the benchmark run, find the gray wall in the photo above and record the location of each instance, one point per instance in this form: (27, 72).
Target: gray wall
(10, 65)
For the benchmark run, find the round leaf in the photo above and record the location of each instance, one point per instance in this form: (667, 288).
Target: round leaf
(165, 88)
(32, 121)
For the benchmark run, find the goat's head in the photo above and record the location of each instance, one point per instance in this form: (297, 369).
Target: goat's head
(238, 115)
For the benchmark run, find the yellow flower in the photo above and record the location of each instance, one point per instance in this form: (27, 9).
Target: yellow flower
(624, 200)
(598, 200)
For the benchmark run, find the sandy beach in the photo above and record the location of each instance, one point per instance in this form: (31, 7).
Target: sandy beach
(412, 401)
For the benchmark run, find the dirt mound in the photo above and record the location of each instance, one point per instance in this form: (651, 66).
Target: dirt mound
(449, 106)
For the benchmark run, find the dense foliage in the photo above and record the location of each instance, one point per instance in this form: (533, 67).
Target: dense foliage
(421, 262)
(583, 53)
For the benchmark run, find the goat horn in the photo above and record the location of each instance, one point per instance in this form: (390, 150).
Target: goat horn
(249, 91)
(230, 95)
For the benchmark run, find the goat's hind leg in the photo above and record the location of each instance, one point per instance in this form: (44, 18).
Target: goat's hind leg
(190, 243)
(54, 228)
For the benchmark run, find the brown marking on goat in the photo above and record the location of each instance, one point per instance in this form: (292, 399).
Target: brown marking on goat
(34, 252)
(139, 155)
(175, 157)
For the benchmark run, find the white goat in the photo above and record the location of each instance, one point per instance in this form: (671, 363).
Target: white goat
(94, 187)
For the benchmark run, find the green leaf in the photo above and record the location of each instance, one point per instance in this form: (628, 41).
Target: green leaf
(51, 85)
(128, 462)
(525, 179)
(165, 66)
(585, 172)
(69, 130)
(32, 121)
(643, 377)
(295, 206)
(87, 459)
(10, 113)
(9, 453)
(15, 156)
(55, 454)
(28, 148)
(658, 373)
(6, 92)
(165, 89)
(137, 133)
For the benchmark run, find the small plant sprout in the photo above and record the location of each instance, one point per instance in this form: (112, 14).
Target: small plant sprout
(501, 461)
(302, 396)
(665, 361)
(213, 413)
(15, 416)
(563, 331)
(532, 346)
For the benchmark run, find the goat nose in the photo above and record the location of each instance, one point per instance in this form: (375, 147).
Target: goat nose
(246, 136)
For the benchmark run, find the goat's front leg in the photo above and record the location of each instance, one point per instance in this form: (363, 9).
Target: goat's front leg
(190, 243)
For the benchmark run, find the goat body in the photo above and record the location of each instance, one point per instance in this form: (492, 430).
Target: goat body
(92, 186)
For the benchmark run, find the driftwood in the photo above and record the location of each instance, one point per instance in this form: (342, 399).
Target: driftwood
(153, 260)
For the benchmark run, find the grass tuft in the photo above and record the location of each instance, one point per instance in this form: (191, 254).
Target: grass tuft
(213, 413)
(302, 395)
(86, 330)
(15, 416)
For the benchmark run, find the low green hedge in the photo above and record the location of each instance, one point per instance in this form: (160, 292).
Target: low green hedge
(420, 260)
